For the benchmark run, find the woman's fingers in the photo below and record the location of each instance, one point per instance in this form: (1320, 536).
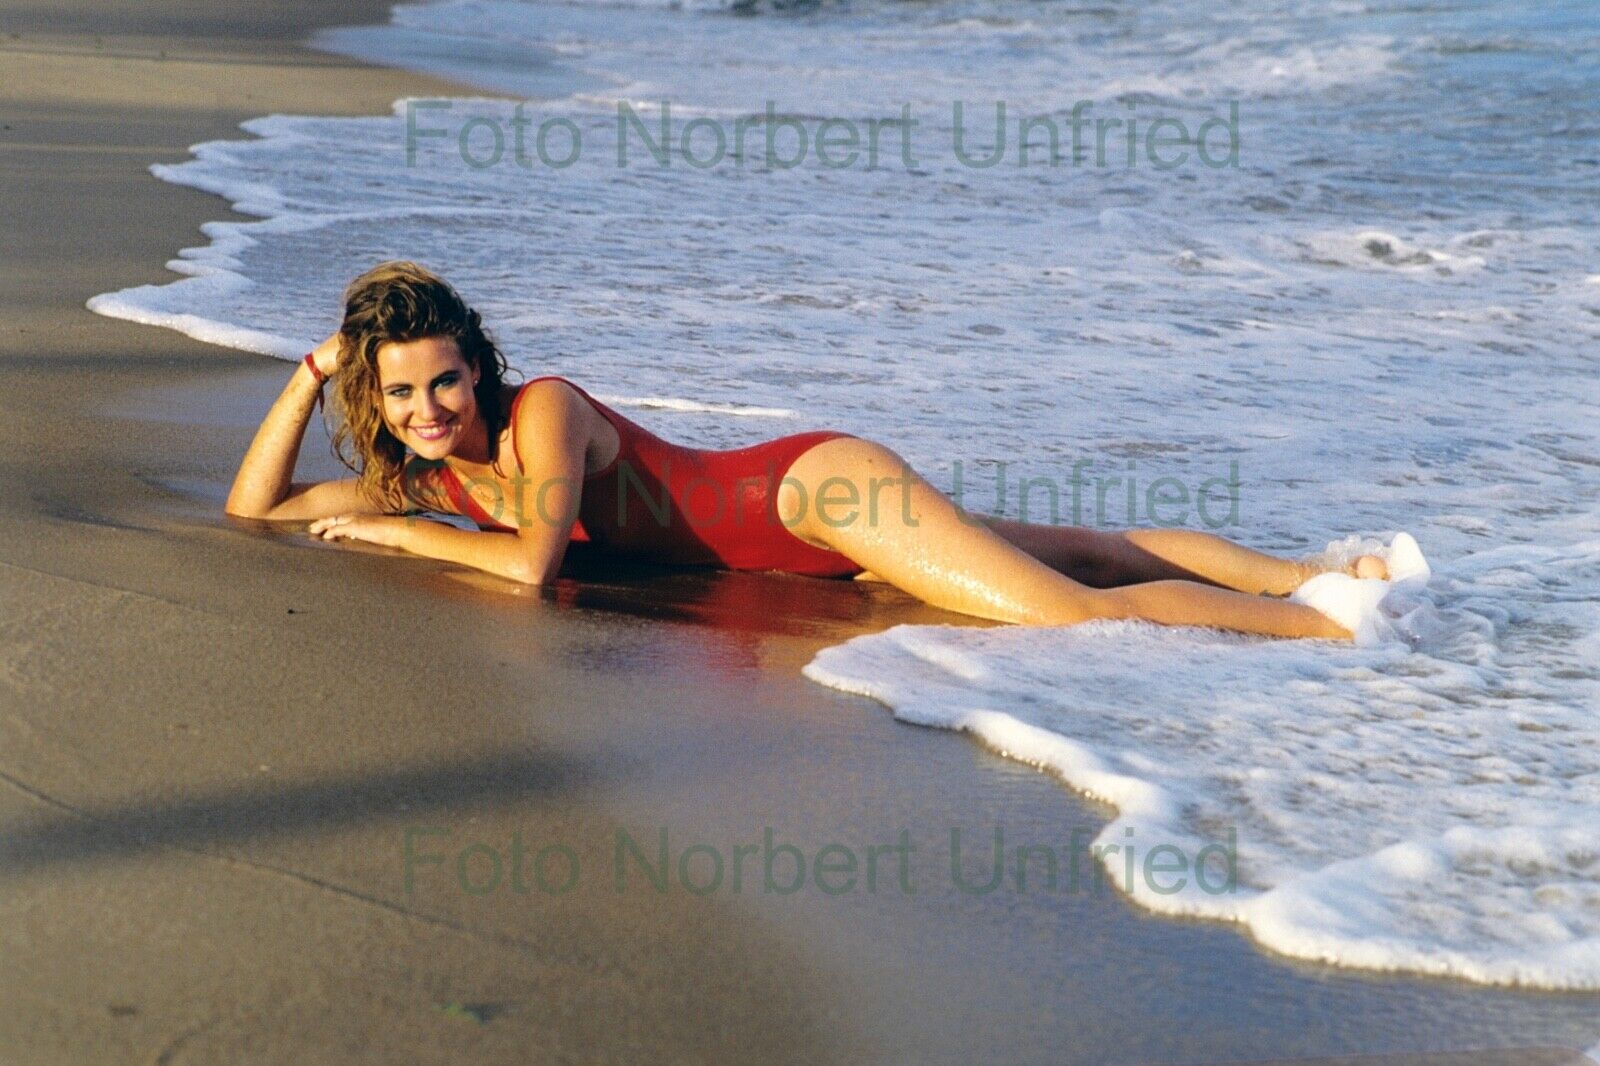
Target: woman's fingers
(374, 529)
(328, 528)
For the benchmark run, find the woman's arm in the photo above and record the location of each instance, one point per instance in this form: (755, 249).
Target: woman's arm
(264, 486)
(494, 552)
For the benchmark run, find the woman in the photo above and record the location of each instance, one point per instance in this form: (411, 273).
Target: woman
(543, 464)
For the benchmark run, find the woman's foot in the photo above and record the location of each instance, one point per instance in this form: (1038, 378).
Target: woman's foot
(1349, 602)
(1364, 566)
(1401, 561)
(1369, 566)
(1351, 595)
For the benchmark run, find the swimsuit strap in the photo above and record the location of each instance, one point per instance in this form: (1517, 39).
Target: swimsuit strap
(465, 505)
(516, 402)
(627, 432)
(463, 500)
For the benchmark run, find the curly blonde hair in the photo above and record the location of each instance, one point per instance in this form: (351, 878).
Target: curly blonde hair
(400, 301)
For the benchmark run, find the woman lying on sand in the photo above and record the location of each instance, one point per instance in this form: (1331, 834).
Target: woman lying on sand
(543, 463)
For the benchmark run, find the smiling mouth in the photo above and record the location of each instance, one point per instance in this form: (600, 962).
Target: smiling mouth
(433, 432)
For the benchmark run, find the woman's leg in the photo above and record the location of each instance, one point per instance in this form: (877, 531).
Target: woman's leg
(904, 530)
(1104, 559)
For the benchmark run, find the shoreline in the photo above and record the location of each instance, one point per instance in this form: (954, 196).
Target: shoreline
(212, 753)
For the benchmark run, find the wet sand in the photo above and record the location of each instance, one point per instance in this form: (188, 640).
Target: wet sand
(217, 743)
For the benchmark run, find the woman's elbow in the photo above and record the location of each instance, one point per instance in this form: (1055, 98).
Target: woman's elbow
(247, 501)
(525, 572)
(532, 581)
(534, 572)
(253, 510)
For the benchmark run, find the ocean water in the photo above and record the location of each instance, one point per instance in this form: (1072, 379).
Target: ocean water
(1365, 299)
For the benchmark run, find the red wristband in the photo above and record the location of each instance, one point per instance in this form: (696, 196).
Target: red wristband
(322, 379)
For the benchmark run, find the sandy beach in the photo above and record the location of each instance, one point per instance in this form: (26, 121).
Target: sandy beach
(261, 799)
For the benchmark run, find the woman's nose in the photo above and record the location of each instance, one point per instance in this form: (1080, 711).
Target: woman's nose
(428, 407)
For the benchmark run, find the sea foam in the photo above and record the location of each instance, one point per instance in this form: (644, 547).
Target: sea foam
(1421, 805)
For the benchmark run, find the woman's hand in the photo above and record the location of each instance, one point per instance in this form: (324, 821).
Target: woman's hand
(326, 356)
(372, 528)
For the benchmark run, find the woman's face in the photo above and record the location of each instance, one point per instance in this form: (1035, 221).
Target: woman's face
(426, 388)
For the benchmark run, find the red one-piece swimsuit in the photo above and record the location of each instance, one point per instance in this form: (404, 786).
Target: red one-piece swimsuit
(675, 505)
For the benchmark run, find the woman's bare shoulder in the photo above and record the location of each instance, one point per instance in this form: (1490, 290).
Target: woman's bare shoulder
(550, 413)
(549, 399)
